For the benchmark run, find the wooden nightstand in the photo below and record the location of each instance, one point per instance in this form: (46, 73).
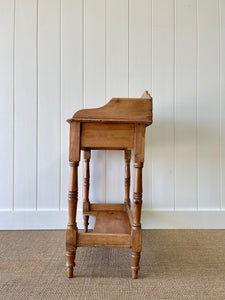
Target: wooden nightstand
(119, 125)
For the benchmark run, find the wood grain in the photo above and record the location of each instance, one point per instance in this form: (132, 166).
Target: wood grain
(118, 136)
(71, 232)
(127, 157)
(74, 154)
(106, 206)
(119, 110)
(111, 221)
(111, 240)
(86, 202)
(114, 224)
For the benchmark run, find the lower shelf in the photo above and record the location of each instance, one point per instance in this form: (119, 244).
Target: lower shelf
(111, 240)
(110, 221)
(112, 227)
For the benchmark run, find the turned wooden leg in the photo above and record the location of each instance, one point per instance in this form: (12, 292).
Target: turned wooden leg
(86, 203)
(127, 156)
(86, 223)
(71, 232)
(135, 258)
(70, 257)
(136, 226)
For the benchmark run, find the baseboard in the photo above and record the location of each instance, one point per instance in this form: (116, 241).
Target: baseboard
(151, 219)
(166, 219)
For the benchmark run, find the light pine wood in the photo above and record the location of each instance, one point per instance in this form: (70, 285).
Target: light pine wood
(71, 232)
(105, 136)
(111, 221)
(86, 203)
(103, 128)
(129, 213)
(137, 198)
(74, 154)
(106, 206)
(111, 240)
(127, 157)
(119, 110)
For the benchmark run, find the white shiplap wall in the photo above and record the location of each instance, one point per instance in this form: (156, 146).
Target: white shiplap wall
(58, 56)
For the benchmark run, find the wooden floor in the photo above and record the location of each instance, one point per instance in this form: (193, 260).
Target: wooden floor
(175, 264)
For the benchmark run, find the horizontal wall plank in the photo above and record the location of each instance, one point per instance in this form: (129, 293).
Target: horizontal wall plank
(181, 219)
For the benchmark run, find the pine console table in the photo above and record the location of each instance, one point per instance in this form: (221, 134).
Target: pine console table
(118, 125)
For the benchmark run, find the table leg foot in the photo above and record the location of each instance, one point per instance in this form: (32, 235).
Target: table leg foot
(70, 257)
(135, 258)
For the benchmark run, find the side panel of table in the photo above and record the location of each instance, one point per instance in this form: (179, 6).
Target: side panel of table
(107, 136)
